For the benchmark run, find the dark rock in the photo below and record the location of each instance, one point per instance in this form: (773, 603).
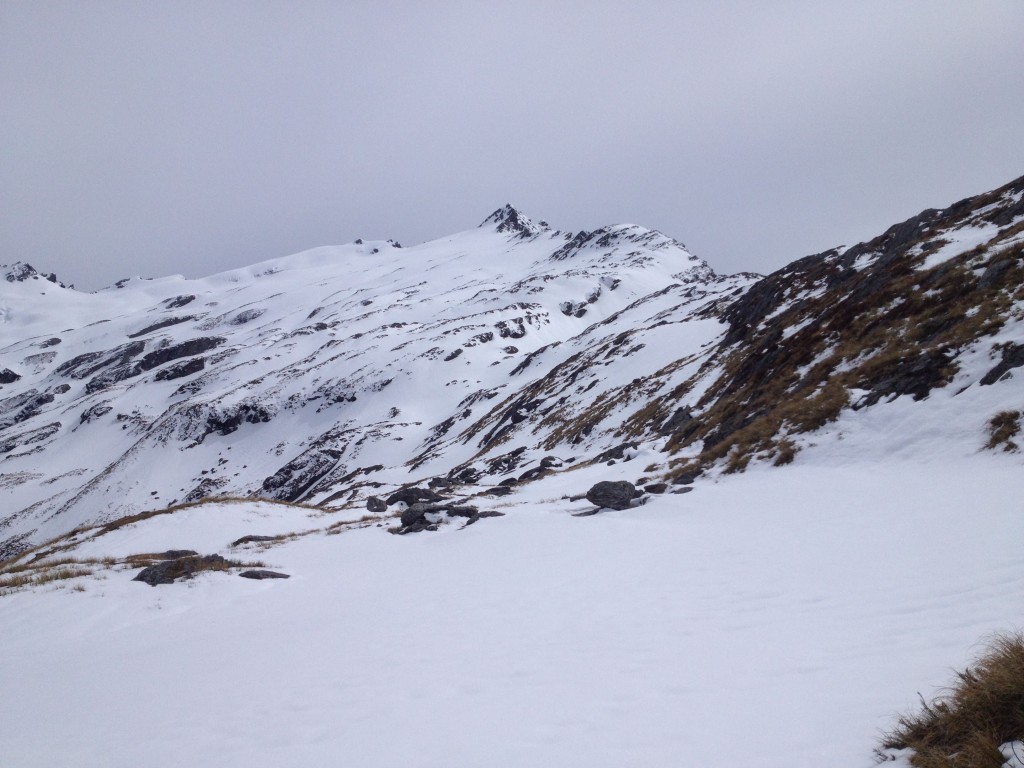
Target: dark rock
(453, 355)
(915, 377)
(687, 478)
(551, 462)
(612, 494)
(51, 342)
(253, 539)
(88, 363)
(462, 511)
(169, 571)
(656, 488)
(509, 481)
(7, 376)
(679, 420)
(422, 525)
(995, 273)
(1012, 357)
(260, 575)
(165, 323)
(205, 489)
(511, 329)
(682, 489)
(186, 368)
(376, 504)
(466, 476)
(292, 481)
(439, 482)
(498, 490)
(246, 316)
(29, 437)
(416, 513)
(178, 301)
(617, 452)
(511, 221)
(94, 412)
(413, 495)
(188, 348)
(534, 474)
(487, 513)
(175, 554)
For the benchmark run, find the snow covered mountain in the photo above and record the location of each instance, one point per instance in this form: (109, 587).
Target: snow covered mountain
(660, 517)
(309, 377)
(498, 354)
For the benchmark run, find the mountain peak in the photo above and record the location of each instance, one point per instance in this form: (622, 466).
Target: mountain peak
(19, 272)
(510, 219)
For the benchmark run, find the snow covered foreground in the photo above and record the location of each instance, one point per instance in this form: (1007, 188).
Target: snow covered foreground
(778, 618)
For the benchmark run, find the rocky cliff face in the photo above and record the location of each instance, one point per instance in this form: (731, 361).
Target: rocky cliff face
(493, 356)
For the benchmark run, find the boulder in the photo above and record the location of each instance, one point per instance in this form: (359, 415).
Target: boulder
(376, 504)
(182, 567)
(498, 490)
(618, 452)
(687, 478)
(252, 540)
(176, 554)
(260, 574)
(1012, 357)
(612, 494)
(413, 495)
(681, 420)
(533, 474)
(656, 488)
(413, 515)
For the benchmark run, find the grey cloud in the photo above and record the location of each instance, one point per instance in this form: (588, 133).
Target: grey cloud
(160, 138)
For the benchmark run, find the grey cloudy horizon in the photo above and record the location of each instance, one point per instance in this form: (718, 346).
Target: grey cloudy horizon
(191, 137)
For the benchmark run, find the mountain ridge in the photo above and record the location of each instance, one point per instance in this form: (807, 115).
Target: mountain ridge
(495, 355)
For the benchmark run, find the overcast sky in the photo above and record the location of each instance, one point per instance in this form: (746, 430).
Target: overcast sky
(159, 138)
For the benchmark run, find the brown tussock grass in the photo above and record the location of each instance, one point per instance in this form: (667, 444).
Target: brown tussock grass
(965, 725)
(1002, 427)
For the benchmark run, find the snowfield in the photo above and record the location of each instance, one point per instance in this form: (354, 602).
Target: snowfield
(779, 618)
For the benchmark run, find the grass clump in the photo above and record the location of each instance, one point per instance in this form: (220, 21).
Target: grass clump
(25, 576)
(964, 727)
(1001, 429)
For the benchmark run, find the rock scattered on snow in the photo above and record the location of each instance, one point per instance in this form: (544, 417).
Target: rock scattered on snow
(413, 495)
(181, 567)
(261, 574)
(612, 494)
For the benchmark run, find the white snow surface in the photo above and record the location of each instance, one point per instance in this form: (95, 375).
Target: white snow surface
(780, 619)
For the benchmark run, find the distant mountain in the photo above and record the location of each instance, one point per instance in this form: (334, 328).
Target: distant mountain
(497, 356)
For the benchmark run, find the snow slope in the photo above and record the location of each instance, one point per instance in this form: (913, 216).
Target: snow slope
(778, 619)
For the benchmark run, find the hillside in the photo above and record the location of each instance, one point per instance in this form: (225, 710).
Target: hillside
(472, 358)
(816, 511)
